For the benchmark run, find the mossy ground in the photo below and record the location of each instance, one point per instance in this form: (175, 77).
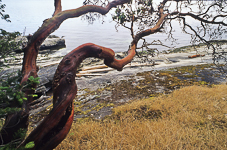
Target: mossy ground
(143, 85)
(138, 110)
(99, 103)
(193, 117)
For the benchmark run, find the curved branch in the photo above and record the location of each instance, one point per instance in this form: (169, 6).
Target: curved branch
(201, 19)
(58, 8)
(155, 29)
(54, 128)
(218, 17)
(209, 9)
(29, 67)
(50, 25)
(56, 125)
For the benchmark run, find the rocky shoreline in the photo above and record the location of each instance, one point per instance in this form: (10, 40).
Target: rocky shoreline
(99, 92)
(139, 64)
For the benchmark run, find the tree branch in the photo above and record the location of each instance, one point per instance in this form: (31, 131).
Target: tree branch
(201, 19)
(56, 125)
(58, 7)
(29, 67)
(155, 29)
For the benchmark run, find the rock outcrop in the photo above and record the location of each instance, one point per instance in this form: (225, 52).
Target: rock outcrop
(51, 42)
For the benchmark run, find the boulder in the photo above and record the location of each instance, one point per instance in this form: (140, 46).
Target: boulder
(51, 42)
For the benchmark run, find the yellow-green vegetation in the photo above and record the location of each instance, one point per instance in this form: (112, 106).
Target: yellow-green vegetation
(101, 105)
(193, 117)
(142, 85)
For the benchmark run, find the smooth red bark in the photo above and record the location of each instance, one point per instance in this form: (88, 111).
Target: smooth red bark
(57, 124)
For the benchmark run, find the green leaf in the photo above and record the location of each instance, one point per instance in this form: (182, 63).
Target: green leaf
(36, 82)
(36, 79)
(35, 95)
(30, 145)
(20, 101)
(71, 133)
(17, 96)
(4, 88)
(31, 78)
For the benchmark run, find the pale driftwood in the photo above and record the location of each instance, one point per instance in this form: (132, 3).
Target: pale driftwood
(94, 67)
(87, 72)
(93, 74)
(140, 64)
(95, 70)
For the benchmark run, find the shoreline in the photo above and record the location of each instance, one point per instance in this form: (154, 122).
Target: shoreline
(176, 58)
(50, 57)
(97, 95)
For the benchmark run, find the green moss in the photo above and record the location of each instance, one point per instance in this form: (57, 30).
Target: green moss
(110, 105)
(77, 103)
(77, 110)
(84, 119)
(203, 83)
(98, 107)
(85, 112)
(144, 84)
(101, 105)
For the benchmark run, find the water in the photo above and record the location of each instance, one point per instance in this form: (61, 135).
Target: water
(30, 14)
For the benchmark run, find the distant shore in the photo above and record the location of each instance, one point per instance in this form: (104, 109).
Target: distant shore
(171, 58)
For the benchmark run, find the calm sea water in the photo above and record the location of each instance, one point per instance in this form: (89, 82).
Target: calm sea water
(28, 15)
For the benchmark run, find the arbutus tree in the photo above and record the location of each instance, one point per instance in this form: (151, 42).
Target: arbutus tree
(142, 18)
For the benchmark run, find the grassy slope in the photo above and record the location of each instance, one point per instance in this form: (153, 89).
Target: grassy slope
(193, 117)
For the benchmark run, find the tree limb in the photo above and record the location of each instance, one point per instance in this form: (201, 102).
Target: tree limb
(58, 7)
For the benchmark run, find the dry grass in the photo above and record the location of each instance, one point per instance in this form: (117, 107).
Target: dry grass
(193, 117)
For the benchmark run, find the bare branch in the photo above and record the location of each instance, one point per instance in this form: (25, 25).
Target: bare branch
(155, 29)
(201, 19)
(58, 7)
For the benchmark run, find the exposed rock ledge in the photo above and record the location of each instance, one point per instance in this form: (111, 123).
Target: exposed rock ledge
(51, 42)
(100, 85)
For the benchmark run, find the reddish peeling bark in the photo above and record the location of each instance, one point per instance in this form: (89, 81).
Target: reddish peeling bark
(58, 8)
(57, 124)
(29, 67)
(54, 128)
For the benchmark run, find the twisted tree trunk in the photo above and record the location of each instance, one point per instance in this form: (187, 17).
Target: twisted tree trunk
(15, 122)
(57, 124)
